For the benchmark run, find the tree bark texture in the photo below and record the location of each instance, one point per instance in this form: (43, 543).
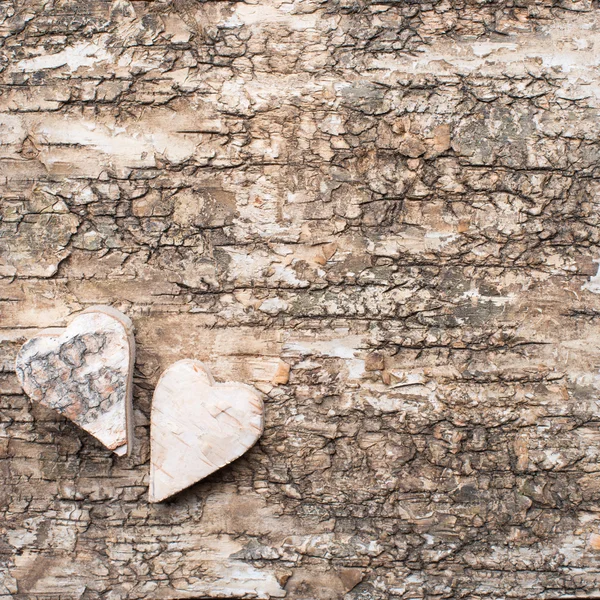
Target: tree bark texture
(381, 214)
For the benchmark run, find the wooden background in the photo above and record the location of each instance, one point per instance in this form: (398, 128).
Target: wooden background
(384, 215)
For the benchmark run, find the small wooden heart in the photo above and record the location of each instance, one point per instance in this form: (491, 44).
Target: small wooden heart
(198, 426)
(85, 374)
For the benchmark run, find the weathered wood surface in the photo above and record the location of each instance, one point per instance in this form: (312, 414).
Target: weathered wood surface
(382, 215)
(198, 426)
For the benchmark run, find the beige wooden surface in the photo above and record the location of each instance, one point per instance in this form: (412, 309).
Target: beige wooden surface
(382, 215)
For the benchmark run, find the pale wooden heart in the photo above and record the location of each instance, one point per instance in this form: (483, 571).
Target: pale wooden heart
(198, 426)
(85, 373)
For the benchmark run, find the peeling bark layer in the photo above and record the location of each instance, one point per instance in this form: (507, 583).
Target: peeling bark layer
(384, 215)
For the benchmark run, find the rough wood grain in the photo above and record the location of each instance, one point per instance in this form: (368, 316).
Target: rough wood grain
(382, 215)
(198, 426)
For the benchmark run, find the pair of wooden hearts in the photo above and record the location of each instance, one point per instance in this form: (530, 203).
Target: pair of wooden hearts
(86, 374)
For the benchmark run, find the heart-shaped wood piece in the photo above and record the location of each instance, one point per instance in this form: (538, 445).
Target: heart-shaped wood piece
(85, 373)
(198, 426)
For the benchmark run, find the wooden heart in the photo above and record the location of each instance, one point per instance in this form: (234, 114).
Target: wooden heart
(198, 426)
(85, 374)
